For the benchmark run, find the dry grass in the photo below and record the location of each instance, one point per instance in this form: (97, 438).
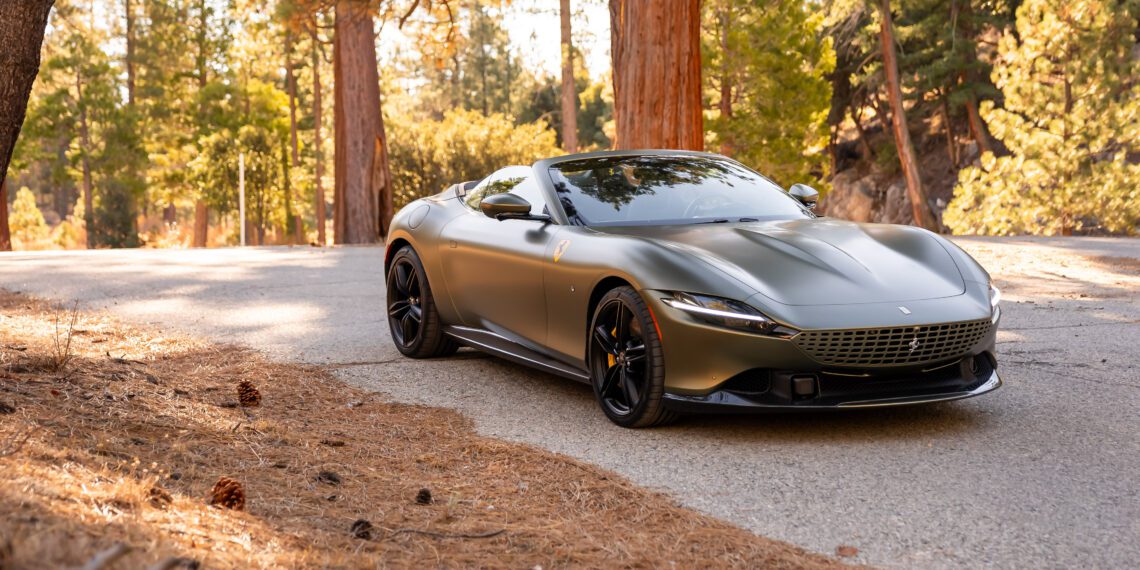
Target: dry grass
(126, 440)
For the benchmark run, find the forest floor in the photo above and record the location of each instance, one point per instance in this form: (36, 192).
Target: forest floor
(112, 437)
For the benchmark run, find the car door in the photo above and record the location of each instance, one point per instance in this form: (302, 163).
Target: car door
(494, 269)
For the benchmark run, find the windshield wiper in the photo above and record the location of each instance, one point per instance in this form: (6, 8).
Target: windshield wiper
(716, 221)
(748, 219)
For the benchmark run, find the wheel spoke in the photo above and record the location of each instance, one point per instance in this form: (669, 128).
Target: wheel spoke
(611, 378)
(635, 353)
(416, 313)
(398, 309)
(629, 387)
(412, 284)
(603, 338)
(620, 329)
(408, 329)
(402, 278)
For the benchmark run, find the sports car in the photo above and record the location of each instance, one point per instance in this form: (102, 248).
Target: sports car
(676, 282)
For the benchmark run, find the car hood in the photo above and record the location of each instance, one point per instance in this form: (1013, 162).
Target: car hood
(818, 261)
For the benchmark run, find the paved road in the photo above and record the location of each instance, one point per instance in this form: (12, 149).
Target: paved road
(1043, 473)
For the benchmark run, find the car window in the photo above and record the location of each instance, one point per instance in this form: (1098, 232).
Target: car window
(653, 189)
(518, 180)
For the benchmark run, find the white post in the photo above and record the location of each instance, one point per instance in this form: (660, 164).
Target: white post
(241, 195)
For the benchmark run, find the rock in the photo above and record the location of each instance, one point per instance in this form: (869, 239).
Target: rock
(896, 206)
(851, 198)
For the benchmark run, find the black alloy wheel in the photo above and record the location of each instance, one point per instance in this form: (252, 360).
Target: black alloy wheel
(626, 364)
(412, 316)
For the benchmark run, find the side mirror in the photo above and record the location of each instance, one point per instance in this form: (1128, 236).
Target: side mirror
(503, 205)
(807, 195)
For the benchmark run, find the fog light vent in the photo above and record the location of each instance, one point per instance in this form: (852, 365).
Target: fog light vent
(804, 386)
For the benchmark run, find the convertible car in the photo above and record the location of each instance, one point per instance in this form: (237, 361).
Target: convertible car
(679, 282)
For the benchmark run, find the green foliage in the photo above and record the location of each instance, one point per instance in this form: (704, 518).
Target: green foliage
(25, 220)
(1071, 118)
(428, 156)
(776, 60)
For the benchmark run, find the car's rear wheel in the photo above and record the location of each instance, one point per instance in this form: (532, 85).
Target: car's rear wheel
(412, 316)
(626, 362)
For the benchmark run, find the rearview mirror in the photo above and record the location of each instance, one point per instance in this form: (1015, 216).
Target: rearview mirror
(504, 205)
(807, 195)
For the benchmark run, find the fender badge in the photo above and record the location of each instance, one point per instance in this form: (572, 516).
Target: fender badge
(561, 249)
(904, 310)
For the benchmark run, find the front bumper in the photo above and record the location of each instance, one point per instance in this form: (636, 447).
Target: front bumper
(711, 368)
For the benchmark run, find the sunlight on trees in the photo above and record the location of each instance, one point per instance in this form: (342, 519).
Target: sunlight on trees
(1071, 119)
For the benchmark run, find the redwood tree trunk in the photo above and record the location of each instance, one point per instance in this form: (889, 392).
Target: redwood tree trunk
(362, 191)
(129, 12)
(656, 51)
(5, 233)
(569, 89)
(22, 26)
(318, 154)
(923, 216)
(725, 104)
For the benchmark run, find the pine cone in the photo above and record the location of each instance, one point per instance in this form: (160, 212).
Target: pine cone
(424, 497)
(228, 493)
(159, 498)
(248, 394)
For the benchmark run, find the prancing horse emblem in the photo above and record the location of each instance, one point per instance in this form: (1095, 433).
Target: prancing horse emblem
(914, 344)
(558, 251)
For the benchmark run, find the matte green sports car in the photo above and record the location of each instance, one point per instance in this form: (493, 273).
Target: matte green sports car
(682, 281)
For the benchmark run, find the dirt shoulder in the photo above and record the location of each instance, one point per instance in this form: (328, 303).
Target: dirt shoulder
(121, 437)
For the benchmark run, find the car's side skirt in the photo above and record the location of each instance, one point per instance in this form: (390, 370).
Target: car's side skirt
(502, 347)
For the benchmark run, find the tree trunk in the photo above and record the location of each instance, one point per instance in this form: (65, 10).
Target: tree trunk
(362, 192)
(857, 119)
(569, 89)
(201, 210)
(318, 154)
(5, 232)
(923, 216)
(21, 35)
(951, 145)
(725, 104)
(656, 51)
(129, 12)
(85, 164)
(296, 228)
(977, 127)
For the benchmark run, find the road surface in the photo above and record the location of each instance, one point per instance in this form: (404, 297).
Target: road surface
(1042, 473)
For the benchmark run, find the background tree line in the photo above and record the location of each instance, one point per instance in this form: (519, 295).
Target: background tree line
(972, 116)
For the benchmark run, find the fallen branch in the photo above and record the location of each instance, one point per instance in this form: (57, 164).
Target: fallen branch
(487, 534)
(174, 562)
(107, 557)
(16, 441)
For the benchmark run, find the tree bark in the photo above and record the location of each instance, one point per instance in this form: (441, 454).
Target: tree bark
(569, 89)
(5, 232)
(656, 51)
(201, 223)
(977, 127)
(725, 104)
(923, 215)
(318, 154)
(22, 27)
(363, 191)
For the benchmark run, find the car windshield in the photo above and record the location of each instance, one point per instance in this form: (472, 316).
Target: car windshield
(640, 190)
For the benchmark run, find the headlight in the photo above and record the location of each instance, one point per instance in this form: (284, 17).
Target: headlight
(995, 298)
(727, 313)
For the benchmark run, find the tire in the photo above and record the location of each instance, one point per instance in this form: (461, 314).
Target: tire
(626, 360)
(413, 318)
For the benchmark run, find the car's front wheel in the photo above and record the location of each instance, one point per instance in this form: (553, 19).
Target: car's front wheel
(626, 362)
(412, 316)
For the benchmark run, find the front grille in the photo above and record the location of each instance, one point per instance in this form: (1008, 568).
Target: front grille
(893, 346)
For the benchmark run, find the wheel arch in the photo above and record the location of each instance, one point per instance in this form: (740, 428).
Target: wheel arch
(603, 286)
(390, 252)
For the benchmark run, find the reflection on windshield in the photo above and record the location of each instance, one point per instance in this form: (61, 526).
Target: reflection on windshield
(666, 189)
